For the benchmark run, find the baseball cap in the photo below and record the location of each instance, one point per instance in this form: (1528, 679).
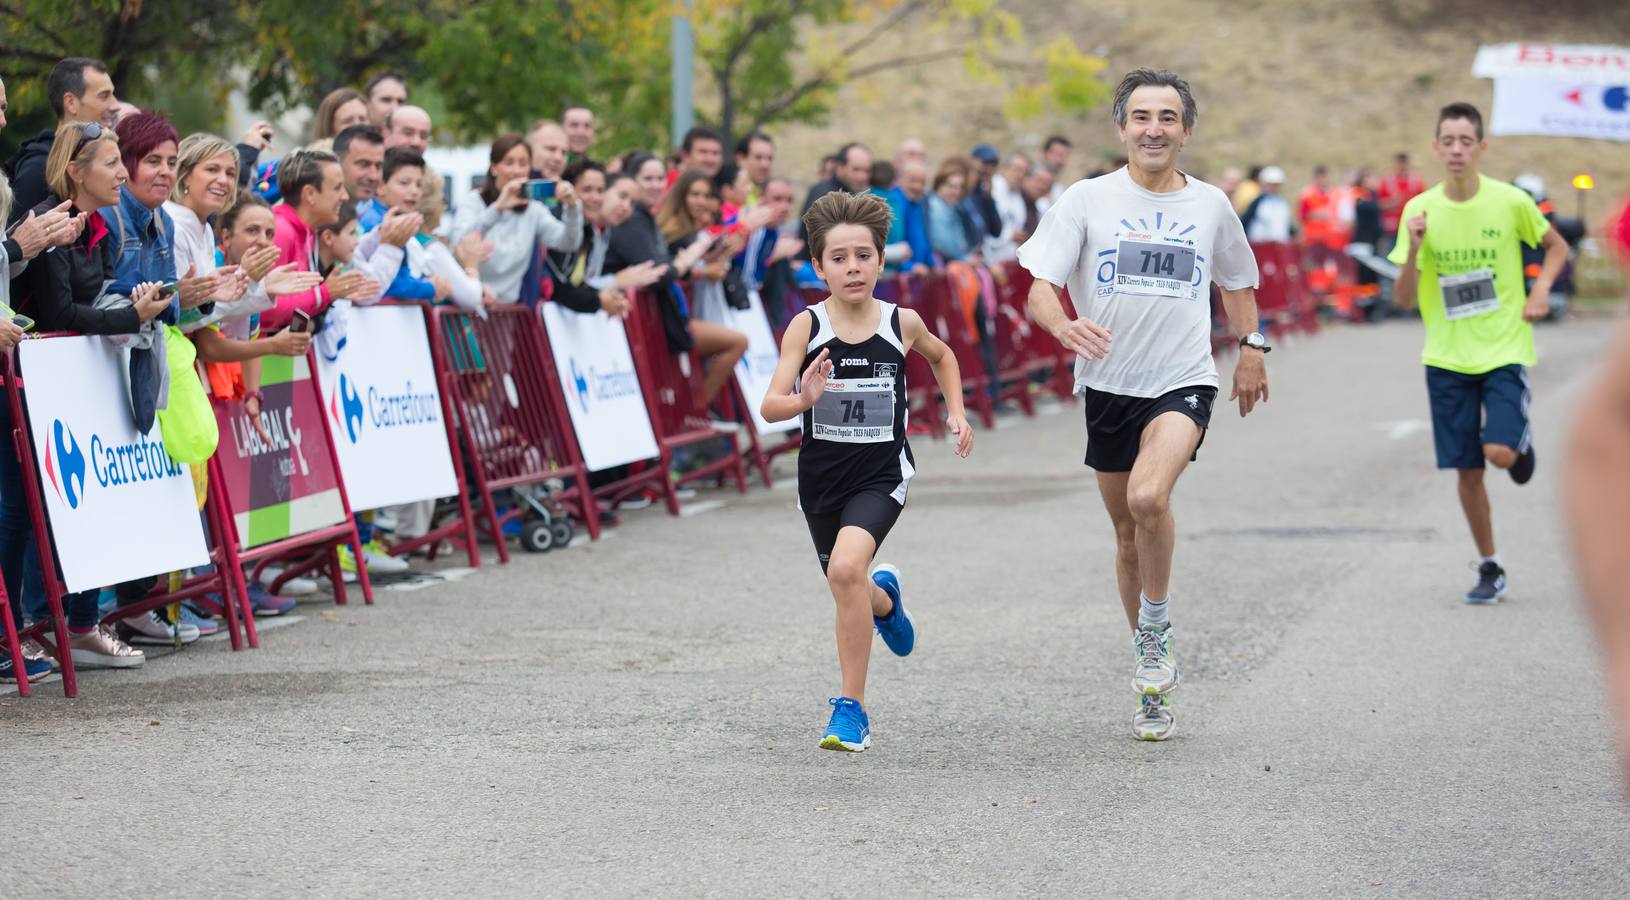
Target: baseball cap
(1272, 175)
(985, 153)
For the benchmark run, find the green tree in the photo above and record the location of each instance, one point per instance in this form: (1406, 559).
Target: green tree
(764, 71)
(501, 64)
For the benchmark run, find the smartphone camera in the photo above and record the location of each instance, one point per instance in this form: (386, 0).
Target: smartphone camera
(541, 189)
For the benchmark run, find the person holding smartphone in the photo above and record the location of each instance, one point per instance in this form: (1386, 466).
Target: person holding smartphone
(513, 223)
(689, 211)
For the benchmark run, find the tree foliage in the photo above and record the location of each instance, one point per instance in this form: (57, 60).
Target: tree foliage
(500, 64)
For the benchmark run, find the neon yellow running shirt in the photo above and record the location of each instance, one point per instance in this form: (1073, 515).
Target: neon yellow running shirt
(1471, 291)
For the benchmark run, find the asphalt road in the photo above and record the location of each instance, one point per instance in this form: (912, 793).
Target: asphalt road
(640, 716)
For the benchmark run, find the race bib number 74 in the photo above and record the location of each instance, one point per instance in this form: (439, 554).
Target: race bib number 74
(1150, 268)
(855, 411)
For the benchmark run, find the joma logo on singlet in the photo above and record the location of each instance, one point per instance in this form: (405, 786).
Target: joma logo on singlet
(854, 362)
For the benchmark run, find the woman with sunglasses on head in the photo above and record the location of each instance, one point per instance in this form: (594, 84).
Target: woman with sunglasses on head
(61, 291)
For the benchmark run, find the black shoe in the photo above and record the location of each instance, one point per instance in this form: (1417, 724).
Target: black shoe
(1523, 468)
(1490, 584)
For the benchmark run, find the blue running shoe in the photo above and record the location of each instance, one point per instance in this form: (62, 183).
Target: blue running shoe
(265, 603)
(898, 629)
(206, 626)
(34, 669)
(1490, 585)
(849, 729)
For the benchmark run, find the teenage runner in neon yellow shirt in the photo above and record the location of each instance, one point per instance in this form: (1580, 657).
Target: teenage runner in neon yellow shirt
(1461, 259)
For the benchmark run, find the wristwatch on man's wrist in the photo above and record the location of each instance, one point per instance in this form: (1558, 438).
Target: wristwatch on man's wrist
(1256, 340)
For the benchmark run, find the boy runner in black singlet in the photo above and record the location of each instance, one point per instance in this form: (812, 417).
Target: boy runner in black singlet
(854, 466)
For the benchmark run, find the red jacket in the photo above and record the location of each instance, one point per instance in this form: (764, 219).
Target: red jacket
(296, 243)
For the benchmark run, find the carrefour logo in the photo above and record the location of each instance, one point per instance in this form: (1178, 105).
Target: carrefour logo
(593, 385)
(383, 409)
(1611, 99)
(351, 404)
(113, 465)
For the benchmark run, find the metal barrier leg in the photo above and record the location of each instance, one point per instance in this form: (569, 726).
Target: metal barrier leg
(14, 647)
(336, 575)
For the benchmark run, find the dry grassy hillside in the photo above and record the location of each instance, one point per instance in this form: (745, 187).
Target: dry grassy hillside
(1295, 83)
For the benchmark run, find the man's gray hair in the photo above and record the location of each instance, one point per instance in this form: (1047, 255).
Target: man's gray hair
(1147, 77)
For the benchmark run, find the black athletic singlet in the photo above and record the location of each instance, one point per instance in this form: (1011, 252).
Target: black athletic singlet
(855, 434)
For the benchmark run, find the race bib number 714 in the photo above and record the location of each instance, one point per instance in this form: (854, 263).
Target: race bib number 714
(1150, 268)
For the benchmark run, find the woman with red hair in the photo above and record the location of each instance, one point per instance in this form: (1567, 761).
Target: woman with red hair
(143, 233)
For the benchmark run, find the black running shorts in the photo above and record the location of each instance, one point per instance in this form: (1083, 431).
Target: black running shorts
(1115, 423)
(874, 511)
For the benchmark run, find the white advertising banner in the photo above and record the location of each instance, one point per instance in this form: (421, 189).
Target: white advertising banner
(603, 396)
(1561, 109)
(1578, 63)
(119, 507)
(757, 366)
(384, 409)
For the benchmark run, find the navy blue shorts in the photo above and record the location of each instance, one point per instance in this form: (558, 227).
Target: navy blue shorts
(1469, 411)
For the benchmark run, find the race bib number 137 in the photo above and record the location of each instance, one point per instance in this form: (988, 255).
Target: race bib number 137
(1468, 294)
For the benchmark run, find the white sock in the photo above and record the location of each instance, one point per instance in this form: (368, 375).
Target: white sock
(1493, 559)
(1151, 612)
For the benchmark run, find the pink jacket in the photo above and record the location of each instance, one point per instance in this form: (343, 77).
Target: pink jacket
(296, 244)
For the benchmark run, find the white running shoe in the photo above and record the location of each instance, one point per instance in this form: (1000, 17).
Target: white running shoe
(294, 587)
(1157, 671)
(379, 560)
(1153, 720)
(149, 629)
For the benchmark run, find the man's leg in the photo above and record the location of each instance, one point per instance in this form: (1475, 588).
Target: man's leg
(858, 600)
(1474, 499)
(1112, 487)
(1167, 445)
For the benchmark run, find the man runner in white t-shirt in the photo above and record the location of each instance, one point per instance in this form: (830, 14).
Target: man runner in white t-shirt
(1138, 249)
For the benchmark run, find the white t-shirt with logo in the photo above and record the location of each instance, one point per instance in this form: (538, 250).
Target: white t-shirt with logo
(1141, 265)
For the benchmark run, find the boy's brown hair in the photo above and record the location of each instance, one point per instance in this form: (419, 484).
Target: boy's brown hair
(843, 208)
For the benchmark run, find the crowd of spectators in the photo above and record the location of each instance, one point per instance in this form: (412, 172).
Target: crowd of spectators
(119, 226)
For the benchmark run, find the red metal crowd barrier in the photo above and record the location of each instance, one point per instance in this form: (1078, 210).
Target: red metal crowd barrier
(1284, 303)
(671, 383)
(195, 588)
(501, 390)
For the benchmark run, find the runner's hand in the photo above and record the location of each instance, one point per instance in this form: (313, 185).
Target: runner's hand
(1417, 230)
(813, 383)
(1086, 338)
(1250, 381)
(963, 432)
(1538, 307)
